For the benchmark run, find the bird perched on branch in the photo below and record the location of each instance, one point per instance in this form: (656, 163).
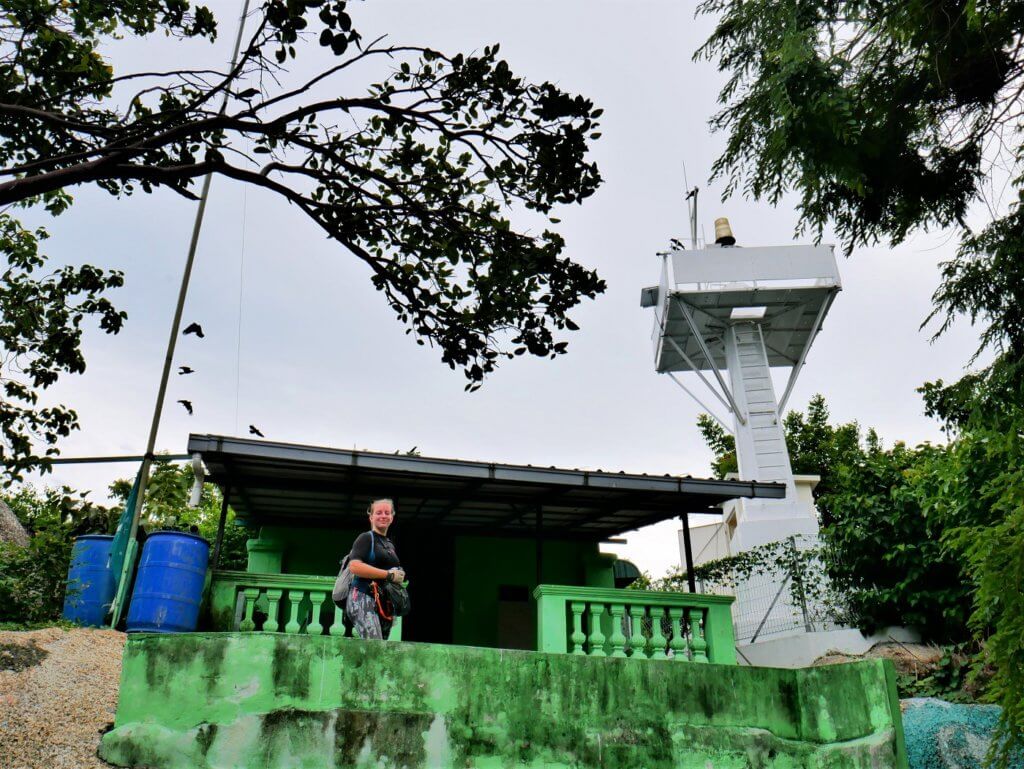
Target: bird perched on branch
(194, 328)
(185, 370)
(253, 430)
(187, 405)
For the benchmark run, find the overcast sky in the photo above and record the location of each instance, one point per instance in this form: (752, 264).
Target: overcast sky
(321, 360)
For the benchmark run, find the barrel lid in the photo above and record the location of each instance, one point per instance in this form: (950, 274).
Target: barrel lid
(178, 534)
(93, 536)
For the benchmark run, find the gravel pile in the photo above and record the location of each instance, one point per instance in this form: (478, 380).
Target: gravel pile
(58, 694)
(943, 735)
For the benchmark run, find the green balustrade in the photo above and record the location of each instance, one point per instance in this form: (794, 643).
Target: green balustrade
(278, 603)
(639, 624)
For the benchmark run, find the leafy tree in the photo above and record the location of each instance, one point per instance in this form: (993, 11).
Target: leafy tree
(886, 555)
(883, 117)
(886, 117)
(722, 445)
(415, 175)
(41, 320)
(978, 488)
(39, 510)
(33, 578)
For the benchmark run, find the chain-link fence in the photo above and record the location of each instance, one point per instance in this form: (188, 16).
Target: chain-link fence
(784, 589)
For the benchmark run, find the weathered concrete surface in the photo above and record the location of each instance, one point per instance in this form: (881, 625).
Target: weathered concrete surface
(249, 701)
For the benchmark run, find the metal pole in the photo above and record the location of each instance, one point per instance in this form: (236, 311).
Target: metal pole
(693, 367)
(220, 528)
(700, 403)
(688, 552)
(147, 459)
(803, 353)
(710, 358)
(101, 460)
(772, 606)
(540, 544)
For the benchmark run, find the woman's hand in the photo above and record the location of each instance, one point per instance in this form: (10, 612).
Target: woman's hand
(396, 575)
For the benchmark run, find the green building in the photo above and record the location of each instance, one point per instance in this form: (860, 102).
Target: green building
(521, 649)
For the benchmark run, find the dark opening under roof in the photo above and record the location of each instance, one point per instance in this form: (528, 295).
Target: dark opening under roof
(281, 483)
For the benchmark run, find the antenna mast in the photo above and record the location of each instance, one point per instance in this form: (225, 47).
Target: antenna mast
(692, 208)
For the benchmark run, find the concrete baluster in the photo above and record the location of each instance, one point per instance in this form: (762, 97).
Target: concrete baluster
(617, 639)
(637, 642)
(578, 636)
(294, 599)
(698, 645)
(274, 604)
(658, 640)
(316, 598)
(678, 641)
(337, 627)
(251, 594)
(596, 639)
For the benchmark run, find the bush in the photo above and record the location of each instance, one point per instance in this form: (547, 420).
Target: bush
(886, 555)
(32, 578)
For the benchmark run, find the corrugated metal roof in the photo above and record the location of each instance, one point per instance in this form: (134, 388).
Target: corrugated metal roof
(268, 482)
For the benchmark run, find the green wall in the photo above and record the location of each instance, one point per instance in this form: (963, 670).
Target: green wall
(459, 579)
(483, 565)
(316, 551)
(269, 701)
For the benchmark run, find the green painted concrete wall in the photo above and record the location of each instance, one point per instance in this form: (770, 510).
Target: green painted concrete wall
(269, 701)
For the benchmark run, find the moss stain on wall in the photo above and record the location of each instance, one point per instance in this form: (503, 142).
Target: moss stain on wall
(293, 701)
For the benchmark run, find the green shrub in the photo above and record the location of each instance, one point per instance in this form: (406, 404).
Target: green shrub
(32, 578)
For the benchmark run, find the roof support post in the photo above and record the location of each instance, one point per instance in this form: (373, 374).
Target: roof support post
(539, 536)
(219, 542)
(688, 553)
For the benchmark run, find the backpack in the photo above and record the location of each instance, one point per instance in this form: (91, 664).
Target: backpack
(343, 584)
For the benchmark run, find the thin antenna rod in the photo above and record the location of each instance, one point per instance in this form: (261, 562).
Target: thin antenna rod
(176, 323)
(691, 208)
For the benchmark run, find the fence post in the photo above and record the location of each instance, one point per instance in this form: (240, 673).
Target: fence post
(719, 636)
(552, 627)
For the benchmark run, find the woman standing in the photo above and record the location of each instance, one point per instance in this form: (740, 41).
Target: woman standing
(373, 561)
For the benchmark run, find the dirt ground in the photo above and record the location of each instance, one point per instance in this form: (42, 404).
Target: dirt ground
(58, 694)
(912, 659)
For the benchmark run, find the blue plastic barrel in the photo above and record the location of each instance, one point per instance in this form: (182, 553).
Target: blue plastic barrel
(169, 584)
(91, 586)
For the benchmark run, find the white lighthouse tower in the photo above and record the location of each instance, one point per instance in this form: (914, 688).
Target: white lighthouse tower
(727, 315)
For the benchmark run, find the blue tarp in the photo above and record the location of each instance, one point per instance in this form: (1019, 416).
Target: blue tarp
(124, 527)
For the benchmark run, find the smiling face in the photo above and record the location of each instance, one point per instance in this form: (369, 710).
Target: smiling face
(382, 513)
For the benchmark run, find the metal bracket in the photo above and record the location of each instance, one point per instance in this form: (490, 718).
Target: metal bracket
(711, 361)
(700, 403)
(807, 347)
(688, 362)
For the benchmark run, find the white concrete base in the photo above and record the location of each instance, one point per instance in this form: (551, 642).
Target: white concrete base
(799, 650)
